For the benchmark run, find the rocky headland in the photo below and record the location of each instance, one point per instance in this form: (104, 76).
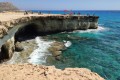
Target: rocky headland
(41, 24)
(14, 26)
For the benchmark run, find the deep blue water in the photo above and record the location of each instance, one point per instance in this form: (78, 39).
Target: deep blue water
(96, 50)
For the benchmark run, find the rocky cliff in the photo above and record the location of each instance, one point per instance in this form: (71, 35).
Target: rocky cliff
(51, 24)
(41, 25)
(6, 6)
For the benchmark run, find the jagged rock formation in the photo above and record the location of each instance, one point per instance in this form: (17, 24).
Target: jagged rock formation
(37, 72)
(6, 6)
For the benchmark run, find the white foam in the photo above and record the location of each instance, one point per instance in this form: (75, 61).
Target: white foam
(100, 28)
(67, 43)
(39, 55)
(14, 58)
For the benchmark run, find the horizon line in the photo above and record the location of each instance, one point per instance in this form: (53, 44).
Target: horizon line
(71, 10)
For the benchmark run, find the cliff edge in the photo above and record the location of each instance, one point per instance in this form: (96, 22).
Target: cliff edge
(38, 72)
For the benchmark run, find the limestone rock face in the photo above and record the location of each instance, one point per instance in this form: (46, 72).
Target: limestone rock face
(7, 49)
(55, 24)
(44, 25)
(38, 72)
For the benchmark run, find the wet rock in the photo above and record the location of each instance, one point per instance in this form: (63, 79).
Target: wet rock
(57, 53)
(58, 46)
(58, 57)
(7, 50)
(18, 47)
(50, 59)
(56, 49)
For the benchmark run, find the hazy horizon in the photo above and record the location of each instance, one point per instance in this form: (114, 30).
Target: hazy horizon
(65, 4)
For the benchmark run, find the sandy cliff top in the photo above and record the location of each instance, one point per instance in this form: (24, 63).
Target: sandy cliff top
(37, 72)
(7, 16)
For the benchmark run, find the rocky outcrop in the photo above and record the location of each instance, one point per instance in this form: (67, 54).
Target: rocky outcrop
(7, 50)
(18, 47)
(56, 49)
(55, 24)
(37, 72)
(7, 6)
(43, 25)
(52, 24)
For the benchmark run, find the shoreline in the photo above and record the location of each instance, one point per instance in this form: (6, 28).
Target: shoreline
(86, 74)
(13, 19)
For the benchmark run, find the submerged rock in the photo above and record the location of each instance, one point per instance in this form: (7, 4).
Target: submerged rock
(58, 58)
(57, 53)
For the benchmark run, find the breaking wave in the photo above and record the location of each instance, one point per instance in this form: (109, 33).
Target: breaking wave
(39, 55)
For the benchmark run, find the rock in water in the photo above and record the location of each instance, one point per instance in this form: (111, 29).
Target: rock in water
(56, 49)
(18, 47)
(7, 49)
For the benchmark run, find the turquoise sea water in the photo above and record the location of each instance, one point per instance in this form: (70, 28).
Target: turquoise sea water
(97, 50)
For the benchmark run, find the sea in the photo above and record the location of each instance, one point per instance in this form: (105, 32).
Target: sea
(95, 49)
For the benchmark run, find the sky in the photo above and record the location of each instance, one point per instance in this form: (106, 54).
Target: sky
(66, 4)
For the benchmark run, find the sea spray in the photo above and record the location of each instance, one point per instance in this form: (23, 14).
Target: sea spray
(39, 55)
(100, 28)
(67, 43)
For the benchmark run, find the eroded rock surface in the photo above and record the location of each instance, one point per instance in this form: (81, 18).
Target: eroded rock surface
(18, 47)
(19, 56)
(38, 72)
(3, 31)
(45, 23)
(56, 49)
(7, 49)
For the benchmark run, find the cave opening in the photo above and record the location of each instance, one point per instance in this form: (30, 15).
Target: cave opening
(26, 32)
(32, 30)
